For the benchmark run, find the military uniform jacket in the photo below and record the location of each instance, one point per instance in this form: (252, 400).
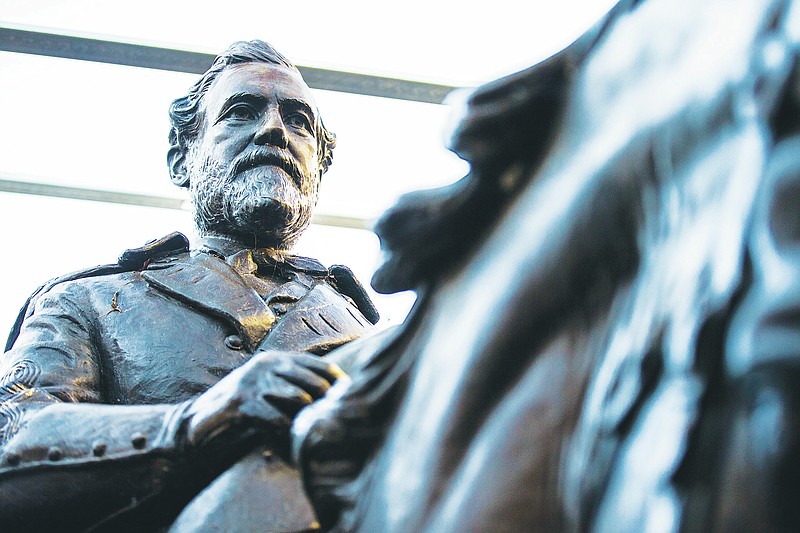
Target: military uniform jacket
(155, 335)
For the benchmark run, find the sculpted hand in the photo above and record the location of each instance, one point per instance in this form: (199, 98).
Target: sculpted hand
(262, 396)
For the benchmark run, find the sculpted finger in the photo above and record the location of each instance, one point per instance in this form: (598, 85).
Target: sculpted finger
(285, 396)
(326, 370)
(311, 382)
(265, 414)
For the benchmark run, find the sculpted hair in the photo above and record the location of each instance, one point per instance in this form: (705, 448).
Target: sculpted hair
(184, 112)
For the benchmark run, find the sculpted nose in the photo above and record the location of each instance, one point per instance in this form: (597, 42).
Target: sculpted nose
(272, 131)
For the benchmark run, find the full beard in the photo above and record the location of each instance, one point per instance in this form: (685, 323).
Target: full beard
(262, 206)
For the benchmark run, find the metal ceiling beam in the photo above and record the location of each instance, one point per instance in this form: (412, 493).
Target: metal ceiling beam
(114, 197)
(136, 55)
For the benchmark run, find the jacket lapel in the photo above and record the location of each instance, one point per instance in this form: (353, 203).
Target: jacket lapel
(205, 281)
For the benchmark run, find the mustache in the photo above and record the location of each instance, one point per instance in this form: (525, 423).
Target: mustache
(266, 156)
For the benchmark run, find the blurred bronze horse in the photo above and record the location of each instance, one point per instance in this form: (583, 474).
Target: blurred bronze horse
(608, 324)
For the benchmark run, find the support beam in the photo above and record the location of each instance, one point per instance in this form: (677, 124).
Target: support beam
(136, 55)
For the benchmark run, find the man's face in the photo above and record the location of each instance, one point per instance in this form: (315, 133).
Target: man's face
(254, 169)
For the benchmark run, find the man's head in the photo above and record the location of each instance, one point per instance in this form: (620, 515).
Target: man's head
(249, 144)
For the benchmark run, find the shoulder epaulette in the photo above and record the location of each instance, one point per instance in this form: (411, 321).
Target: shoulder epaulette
(129, 260)
(346, 283)
(135, 258)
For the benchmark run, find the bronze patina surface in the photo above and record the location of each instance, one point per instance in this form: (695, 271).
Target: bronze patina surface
(130, 389)
(607, 334)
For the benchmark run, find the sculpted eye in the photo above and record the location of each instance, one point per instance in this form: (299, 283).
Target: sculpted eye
(240, 112)
(298, 121)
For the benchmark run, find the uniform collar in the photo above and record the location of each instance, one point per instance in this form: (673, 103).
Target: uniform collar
(245, 260)
(233, 253)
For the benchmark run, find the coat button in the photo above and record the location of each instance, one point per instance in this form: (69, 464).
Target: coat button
(234, 342)
(279, 308)
(99, 449)
(13, 458)
(55, 453)
(139, 440)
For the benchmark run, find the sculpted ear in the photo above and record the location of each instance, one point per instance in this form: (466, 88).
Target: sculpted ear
(176, 160)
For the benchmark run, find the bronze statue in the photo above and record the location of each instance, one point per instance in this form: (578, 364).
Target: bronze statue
(607, 335)
(128, 389)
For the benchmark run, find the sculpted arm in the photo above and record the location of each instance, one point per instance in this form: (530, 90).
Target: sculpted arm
(55, 434)
(64, 453)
